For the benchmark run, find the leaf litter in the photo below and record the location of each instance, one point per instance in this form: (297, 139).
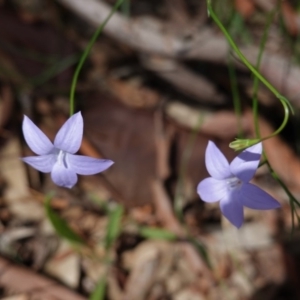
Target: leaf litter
(142, 119)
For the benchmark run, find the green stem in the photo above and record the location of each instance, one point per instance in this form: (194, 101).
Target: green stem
(240, 54)
(292, 199)
(259, 58)
(86, 53)
(284, 122)
(126, 8)
(282, 99)
(236, 96)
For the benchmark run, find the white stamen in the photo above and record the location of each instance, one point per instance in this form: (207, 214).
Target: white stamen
(62, 158)
(233, 183)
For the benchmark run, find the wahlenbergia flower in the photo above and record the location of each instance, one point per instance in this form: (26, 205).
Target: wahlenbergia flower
(59, 158)
(230, 185)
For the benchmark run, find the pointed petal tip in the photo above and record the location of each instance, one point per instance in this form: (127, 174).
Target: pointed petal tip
(77, 116)
(277, 206)
(37, 141)
(69, 136)
(85, 165)
(216, 163)
(232, 210)
(254, 197)
(110, 162)
(238, 226)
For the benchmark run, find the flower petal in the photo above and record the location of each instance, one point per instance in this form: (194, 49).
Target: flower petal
(211, 189)
(245, 164)
(69, 136)
(62, 176)
(85, 165)
(232, 209)
(216, 163)
(35, 138)
(43, 163)
(254, 197)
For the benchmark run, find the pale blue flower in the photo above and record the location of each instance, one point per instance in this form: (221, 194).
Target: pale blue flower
(59, 158)
(230, 185)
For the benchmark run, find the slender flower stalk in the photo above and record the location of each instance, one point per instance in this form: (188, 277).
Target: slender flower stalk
(86, 52)
(229, 183)
(59, 158)
(285, 103)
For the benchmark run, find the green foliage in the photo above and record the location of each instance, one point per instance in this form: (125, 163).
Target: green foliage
(200, 247)
(238, 30)
(224, 9)
(157, 233)
(60, 225)
(114, 226)
(125, 8)
(285, 103)
(236, 96)
(101, 203)
(99, 292)
(87, 51)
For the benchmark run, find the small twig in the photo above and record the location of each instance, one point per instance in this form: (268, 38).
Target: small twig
(206, 45)
(140, 36)
(183, 79)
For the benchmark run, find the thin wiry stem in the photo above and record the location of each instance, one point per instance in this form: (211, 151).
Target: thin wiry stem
(87, 52)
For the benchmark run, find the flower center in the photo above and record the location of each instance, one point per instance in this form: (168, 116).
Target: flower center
(62, 158)
(233, 183)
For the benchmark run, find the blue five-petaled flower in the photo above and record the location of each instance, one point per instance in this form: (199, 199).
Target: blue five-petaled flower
(230, 185)
(59, 158)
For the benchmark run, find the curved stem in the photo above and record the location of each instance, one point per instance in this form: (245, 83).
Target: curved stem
(86, 53)
(284, 122)
(283, 100)
(259, 58)
(240, 54)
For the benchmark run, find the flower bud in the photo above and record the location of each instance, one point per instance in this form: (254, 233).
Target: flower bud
(241, 144)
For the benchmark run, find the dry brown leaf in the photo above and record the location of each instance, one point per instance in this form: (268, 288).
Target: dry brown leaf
(126, 136)
(133, 93)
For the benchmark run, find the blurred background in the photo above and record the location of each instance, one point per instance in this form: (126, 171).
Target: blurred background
(159, 83)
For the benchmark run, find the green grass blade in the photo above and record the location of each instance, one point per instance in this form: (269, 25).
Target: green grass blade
(99, 292)
(113, 226)
(157, 233)
(60, 225)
